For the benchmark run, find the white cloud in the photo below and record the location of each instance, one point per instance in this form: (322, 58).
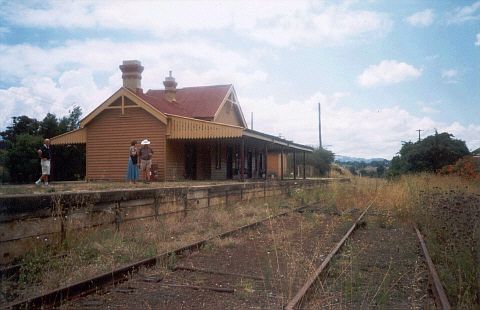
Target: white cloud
(333, 25)
(464, 14)
(422, 18)
(279, 23)
(468, 133)
(204, 62)
(477, 43)
(450, 76)
(86, 72)
(349, 131)
(39, 95)
(450, 73)
(388, 72)
(54, 79)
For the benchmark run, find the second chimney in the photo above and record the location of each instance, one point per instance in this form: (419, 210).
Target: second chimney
(170, 87)
(132, 74)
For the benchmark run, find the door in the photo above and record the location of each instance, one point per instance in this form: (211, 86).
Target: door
(229, 162)
(249, 164)
(260, 165)
(190, 161)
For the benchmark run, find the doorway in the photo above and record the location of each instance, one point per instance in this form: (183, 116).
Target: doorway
(229, 162)
(249, 164)
(190, 161)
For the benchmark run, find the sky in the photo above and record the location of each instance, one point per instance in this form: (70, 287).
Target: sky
(381, 70)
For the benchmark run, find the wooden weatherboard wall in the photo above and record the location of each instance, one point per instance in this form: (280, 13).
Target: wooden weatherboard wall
(109, 136)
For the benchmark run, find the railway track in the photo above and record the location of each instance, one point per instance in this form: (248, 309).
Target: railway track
(257, 268)
(310, 289)
(307, 287)
(74, 291)
(217, 273)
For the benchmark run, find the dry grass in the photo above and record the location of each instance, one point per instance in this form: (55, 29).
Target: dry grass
(446, 208)
(90, 252)
(398, 201)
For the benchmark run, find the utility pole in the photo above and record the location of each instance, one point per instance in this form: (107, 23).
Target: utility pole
(419, 130)
(251, 122)
(319, 127)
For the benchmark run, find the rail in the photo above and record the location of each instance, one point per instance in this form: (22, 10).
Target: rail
(300, 295)
(84, 287)
(304, 290)
(441, 299)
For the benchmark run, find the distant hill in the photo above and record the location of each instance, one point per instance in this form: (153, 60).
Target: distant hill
(342, 159)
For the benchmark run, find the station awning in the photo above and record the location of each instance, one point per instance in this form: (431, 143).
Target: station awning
(76, 136)
(185, 128)
(257, 135)
(179, 127)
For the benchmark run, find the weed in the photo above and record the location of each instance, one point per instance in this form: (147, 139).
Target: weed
(208, 247)
(33, 267)
(247, 287)
(228, 242)
(449, 220)
(171, 261)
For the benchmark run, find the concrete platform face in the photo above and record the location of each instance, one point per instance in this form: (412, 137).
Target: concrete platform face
(28, 220)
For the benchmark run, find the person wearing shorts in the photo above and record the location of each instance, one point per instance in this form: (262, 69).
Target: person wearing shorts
(45, 156)
(145, 153)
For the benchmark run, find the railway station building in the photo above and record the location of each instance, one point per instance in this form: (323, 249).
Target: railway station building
(197, 133)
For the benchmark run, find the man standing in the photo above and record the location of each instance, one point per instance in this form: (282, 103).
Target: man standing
(45, 155)
(145, 154)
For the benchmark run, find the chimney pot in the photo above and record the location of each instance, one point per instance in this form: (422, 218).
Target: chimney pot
(170, 87)
(132, 74)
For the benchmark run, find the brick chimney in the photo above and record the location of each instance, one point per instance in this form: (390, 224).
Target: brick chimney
(132, 75)
(170, 87)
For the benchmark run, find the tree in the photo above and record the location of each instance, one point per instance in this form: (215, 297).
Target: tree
(429, 154)
(22, 160)
(321, 159)
(352, 170)
(25, 135)
(20, 125)
(49, 126)
(72, 121)
(380, 170)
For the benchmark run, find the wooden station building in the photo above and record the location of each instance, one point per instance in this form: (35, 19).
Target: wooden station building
(196, 133)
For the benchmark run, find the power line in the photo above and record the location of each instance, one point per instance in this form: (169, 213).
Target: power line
(319, 127)
(419, 130)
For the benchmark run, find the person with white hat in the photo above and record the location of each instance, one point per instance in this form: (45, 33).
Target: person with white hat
(145, 155)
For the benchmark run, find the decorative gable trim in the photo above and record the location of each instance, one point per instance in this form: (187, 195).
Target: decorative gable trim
(121, 94)
(235, 104)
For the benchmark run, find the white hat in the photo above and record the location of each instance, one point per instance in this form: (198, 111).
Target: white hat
(145, 142)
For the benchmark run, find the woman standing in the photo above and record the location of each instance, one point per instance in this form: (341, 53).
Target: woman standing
(132, 173)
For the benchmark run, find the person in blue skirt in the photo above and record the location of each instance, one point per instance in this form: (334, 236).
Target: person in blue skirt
(132, 173)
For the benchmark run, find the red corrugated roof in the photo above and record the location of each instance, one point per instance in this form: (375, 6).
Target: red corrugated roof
(197, 102)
